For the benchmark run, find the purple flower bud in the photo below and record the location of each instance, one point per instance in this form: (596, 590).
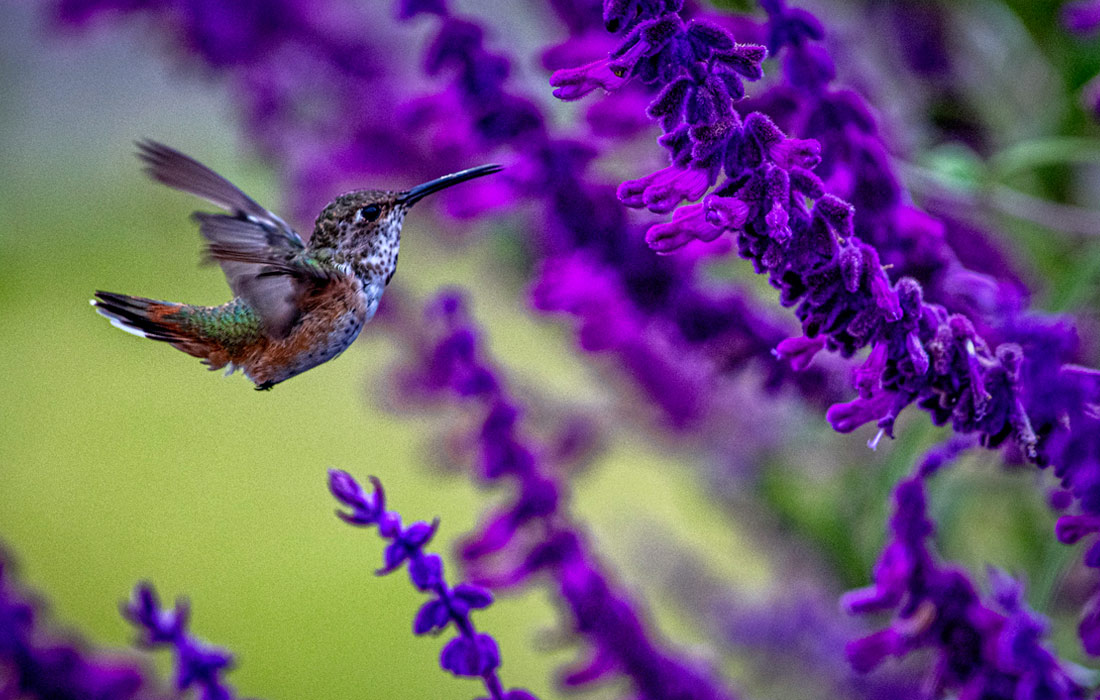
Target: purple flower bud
(1071, 528)
(689, 223)
(776, 223)
(850, 261)
(727, 213)
(764, 130)
(389, 524)
(426, 571)
(574, 83)
(883, 294)
(799, 351)
(837, 213)
(846, 417)
(706, 37)
(474, 597)
(671, 100)
(1081, 16)
(432, 617)
(465, 656)
(668, 187)
(917, 355)
(806, 182)
(866, 378)
(867, 653)
(743, 60)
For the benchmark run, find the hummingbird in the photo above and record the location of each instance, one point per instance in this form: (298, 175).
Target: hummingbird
(296, 305)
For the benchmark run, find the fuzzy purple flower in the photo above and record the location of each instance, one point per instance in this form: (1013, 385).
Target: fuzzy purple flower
(983, 650)
(810, 252)
(37, 664)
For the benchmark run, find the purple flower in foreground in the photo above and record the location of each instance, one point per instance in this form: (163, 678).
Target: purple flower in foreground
(197, 664)
(37, 665)
(991, 651)
(471, 653)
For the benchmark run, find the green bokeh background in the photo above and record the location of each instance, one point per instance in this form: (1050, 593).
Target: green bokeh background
(123, 460)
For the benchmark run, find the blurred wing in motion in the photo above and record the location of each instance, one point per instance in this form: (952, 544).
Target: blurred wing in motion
(263, 258)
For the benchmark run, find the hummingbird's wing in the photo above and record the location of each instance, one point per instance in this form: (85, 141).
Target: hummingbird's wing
(168, 166)
(261, 255)
(263, 267)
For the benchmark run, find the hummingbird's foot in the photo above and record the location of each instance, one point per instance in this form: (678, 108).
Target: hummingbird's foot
(266, 386)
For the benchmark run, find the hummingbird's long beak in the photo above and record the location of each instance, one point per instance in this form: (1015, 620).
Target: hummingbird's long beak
(421, 191)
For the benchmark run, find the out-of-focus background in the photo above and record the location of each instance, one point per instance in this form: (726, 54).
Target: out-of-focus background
(122, 460)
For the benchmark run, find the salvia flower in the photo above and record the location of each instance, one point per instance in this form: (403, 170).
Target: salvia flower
(983, 649)
(805, 241)
(198, 665)
(471, 653)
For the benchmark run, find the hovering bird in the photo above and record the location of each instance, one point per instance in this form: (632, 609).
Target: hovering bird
(296, 305)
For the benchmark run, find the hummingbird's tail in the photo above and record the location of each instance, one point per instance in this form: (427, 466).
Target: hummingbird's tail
(155, 320)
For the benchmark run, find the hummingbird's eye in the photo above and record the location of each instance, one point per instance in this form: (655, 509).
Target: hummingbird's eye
(370, 212)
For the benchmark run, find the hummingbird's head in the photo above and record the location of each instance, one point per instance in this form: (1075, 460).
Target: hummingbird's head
(355, 219)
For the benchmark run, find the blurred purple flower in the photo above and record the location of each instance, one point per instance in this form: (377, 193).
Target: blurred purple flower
(37, 664)
(533, 534)
(983, 650)
(197, 664)
(1081, 16)
(471, 653)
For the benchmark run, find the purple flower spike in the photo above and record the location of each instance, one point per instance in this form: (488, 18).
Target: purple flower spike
(197, 664)
(983, 650)
(469, 654)
(807, 241)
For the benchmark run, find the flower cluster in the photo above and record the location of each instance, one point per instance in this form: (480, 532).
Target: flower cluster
(1055, 393)
(471, 653)
(198, 665)
(801, 237)
(36, 664)
(984, 650)
(534, 534)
